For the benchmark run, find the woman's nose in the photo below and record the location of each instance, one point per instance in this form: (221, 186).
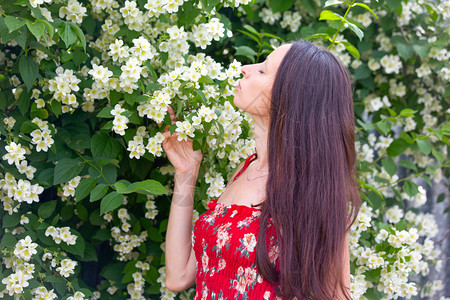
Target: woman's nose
(244, 70)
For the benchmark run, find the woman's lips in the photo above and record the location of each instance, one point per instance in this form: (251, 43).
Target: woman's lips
(238, 87)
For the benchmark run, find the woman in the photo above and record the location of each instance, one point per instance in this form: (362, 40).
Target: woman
(301, 179)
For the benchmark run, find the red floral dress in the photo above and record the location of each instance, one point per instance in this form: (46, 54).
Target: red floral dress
(224, 240)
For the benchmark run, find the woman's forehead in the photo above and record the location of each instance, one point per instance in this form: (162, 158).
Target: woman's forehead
(277, 55)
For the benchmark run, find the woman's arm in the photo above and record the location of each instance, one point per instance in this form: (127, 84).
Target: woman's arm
(179, 257)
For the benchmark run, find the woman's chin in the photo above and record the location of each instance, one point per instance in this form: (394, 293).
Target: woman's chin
(236, 101)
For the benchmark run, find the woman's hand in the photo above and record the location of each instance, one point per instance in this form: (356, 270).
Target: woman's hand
(180, 153)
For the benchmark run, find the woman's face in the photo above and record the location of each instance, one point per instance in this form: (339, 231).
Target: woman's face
(253, 93)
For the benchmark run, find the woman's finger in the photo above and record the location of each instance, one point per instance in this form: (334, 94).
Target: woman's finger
(167, 134)
(172, 114)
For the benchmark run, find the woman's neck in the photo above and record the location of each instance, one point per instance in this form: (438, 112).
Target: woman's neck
(261, 137)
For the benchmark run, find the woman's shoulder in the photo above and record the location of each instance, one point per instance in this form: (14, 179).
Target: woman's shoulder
(239, 168)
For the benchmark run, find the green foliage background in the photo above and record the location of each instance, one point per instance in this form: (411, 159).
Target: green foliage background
(392, 154)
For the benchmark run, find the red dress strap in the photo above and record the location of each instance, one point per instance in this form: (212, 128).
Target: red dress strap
(247, 162)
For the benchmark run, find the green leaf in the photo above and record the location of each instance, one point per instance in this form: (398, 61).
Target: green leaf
(351, 49)
(129, 99)
(105, 113)
(46, 209)
(82, 212)
(250, 35)
(67, 33)
(102, 145)
(410, 188)
(84, 188)
(329, 15)
(424, 146)
(375, 200)
(78, 248)
(122, 187)
(58, 283)
(29, 71)
(407, 164)
(446, 129)
(393, 4)
(206, 79)
(401, 225)
(149, 187)
(98, 192)
(189, 13)
(397, 147)
(251, 29)
(8, 240)
(66, 56)
(384, 127)
(389, 165)
(246, 51)
(318, 36)
(113, 271)
(356, 30)
(24, 102)
(280, 6)
(36, 28)
(50, 29)
(11, 220)
(421, 50)
(211, 5)
(333, 2)
(13, 23)
(407, 112)
(28, 127)
(66, 169)
(110, 202)
(155, 235)
(80, 35)
(405, 51)
(438, 155)
(362, 72)
(406, 137)
(55, 107)
(272, 36)
(366, 7)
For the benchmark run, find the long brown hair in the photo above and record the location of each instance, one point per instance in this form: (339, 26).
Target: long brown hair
(311, 192)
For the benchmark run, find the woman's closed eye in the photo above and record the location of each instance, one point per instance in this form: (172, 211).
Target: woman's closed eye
(261, 71)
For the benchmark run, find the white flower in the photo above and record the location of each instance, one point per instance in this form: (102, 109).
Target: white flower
(15, 153)
(391, 63)
(67, 267)
(25, 248)
(74, 11)
(100, 73)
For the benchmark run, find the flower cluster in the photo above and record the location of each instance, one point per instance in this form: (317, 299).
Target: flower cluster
(25, 248)
(63, 86)
(120, 121)
(61, 234)
(68, 188)
(74, 11)
(41, 137)
(15, 154)
(22, 271)
(143, 57)
(41, 293)
(125, 241)
(19, 191)
(67, 267)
